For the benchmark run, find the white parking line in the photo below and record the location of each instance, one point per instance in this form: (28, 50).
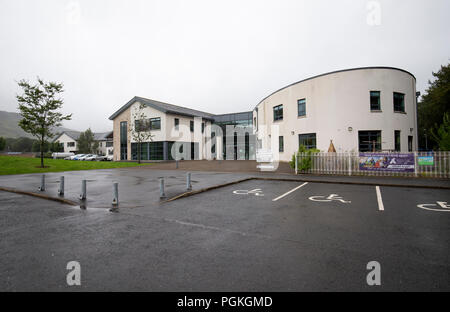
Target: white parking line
(380, 200)
(287, 193)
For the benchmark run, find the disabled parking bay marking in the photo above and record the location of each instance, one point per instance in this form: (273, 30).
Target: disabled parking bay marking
(331, 197)
(443, 206)
(256, 192)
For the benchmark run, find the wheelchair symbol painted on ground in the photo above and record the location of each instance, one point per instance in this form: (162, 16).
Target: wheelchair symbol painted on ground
(439, 206)
(327, 199)
(256, 192)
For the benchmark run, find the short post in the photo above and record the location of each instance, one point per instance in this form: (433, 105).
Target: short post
(61, 186)
(161, 188)
(349, 164)
(296, 163)
(188, 182)
(83, 190)
(115, 201)
(42, 187)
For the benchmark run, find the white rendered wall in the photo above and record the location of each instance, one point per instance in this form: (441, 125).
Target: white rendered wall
(337, 101)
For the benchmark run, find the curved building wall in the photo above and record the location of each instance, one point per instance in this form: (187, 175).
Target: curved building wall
(337, 108)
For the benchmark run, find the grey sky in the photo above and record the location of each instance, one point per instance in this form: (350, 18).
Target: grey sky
(216, 56)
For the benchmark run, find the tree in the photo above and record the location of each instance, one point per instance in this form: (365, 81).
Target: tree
(433, 106)
(140, 130)
(2, 143)
(39, 105)
(86, 142)
(442, 135)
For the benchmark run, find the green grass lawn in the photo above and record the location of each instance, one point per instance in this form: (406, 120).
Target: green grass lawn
(21, 165)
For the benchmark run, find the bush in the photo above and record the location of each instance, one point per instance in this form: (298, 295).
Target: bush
(305, 160)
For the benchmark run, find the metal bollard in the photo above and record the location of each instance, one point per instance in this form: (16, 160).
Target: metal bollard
(188, 182)
(161, 188)
(42, 187)
(61, 186)
(115, 201)
(83, 190)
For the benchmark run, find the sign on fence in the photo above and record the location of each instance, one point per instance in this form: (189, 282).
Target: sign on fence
(393, 162)
(425, 160)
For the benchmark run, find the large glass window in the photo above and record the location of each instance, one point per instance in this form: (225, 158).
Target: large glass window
(308, 140)
(397, 140)
(278, 112)
(375, 102)
(301, 106)
(123, 140)
(369, 141)
(280, 144)
(399, 102)
(156, 150)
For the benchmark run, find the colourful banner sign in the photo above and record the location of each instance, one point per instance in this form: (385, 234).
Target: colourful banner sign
(393, 162)
(425, 160)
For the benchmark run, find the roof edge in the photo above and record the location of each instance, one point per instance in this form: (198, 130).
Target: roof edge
(333, 72)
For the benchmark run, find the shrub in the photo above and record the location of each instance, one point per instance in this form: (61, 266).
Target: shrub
(305, 160)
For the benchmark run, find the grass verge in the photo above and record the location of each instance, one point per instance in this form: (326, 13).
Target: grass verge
(22, 165)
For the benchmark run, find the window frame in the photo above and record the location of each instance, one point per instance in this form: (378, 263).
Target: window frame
(403, 110)
(176, 123)
(370, 133)
(191, 125)
(298, 107)
(308, 136)
(153, 121)
(280, 144)
(397, 144)
(277, 116)
(378, 109)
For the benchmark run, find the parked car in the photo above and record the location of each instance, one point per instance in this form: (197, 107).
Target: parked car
(109, 158)
(92, 157)
(77, 156)
(86, 156)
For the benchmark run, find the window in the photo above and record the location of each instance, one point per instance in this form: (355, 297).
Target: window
(399, 102)
(109, 144)
(176, 123)
(375, 104)
(156, 150)
(155, 123)
(278, 112)
(123, 140)
(410, 143)
(397, 140)
(142, 125)
(203, 127)
(280, 144)
(301, 105)
(70, 144)
(369, 141)
(191, 125)
(308, 140)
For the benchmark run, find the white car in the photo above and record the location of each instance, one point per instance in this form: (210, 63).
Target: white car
(89, 157)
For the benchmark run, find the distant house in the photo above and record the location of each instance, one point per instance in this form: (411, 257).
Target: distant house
(68, 139)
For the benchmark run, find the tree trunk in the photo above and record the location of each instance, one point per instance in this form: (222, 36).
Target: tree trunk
(139, 152)
(42, 152)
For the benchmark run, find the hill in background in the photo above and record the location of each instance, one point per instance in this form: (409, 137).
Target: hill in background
(9, 126)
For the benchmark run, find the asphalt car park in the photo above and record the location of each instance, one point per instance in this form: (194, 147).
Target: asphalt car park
(256, 235)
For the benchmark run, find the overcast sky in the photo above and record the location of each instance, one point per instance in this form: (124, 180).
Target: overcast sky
(216, 56)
